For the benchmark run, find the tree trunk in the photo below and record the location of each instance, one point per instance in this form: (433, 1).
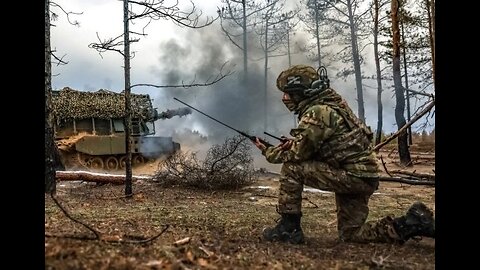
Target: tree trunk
(431, 30)
(95, 177)
(402, 129)
(404, 46)
(245, 54)
(128, 115)
(317, 34)
(378, 137)
(265, 83)
(52, 157)
(288, 48)
(403, 150)
(356, 63)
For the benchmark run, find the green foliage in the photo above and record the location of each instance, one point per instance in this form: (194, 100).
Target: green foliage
(415, 41)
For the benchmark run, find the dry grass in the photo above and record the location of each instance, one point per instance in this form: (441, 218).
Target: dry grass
(224, 228)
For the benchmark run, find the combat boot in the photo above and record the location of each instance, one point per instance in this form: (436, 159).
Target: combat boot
(418, 221)
(287, 230)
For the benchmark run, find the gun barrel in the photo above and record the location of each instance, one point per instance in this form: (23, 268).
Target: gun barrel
(252, 138)
(175, 112)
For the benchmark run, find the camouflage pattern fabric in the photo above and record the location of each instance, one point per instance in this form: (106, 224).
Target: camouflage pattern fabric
(104, 104)
(332, 151)
(317, 175)
(329, 133)
(308, 74)
(351, 194)
(381, 231)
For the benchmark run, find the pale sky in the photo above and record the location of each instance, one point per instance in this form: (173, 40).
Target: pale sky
(171, 50)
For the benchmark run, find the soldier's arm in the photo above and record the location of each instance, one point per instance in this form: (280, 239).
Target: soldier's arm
(315, 126)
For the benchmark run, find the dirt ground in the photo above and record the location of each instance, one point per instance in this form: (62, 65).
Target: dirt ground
(220, 230)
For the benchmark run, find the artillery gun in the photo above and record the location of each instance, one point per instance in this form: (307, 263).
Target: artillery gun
(90, 132)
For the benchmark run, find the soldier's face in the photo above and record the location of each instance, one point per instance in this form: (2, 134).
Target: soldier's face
(286, 99)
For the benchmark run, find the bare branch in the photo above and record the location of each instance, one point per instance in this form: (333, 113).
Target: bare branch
(423, 176)
(414, 119)
(98, 236)
(54, 16)
(208, 82)
(229, 36)
(95, 232)
(226, 166)
(308, 200)
(385, 166)
(59, 61)
(230, 152)
(406, 181)
(148, 240)
(157, 10)
(67, 13)
(420, 93)
(108, 45)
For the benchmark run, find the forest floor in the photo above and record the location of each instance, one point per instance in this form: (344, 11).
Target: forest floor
(221, 229)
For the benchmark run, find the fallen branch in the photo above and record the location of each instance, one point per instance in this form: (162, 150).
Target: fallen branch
(385, 166)
(95, 232)
(76, 237)
(146, 240)
(429, 177)
(381, 178)
(98, 235)
(419, 181)
(111, 238)
(95, 177)
(183, 241)
(406, 181)
(414, 119)
(308, 200)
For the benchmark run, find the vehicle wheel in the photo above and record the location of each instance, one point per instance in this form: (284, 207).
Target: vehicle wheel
(137, 160)
(96, 163)
(112, 163)
(83, 160)
(123, 162)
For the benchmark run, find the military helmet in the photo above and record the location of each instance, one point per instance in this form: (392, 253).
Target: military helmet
(296, 77)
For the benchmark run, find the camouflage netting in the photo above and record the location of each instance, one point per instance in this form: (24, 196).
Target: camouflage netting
(69, 103)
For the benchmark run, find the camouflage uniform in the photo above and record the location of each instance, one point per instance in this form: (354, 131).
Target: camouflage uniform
(332, 151)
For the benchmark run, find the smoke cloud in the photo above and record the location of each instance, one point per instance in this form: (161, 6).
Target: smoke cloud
(200, 56)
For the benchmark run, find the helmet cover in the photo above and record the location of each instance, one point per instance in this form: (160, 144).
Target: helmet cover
(296, 77)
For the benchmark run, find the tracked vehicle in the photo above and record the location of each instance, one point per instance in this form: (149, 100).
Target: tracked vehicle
(90, 132)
